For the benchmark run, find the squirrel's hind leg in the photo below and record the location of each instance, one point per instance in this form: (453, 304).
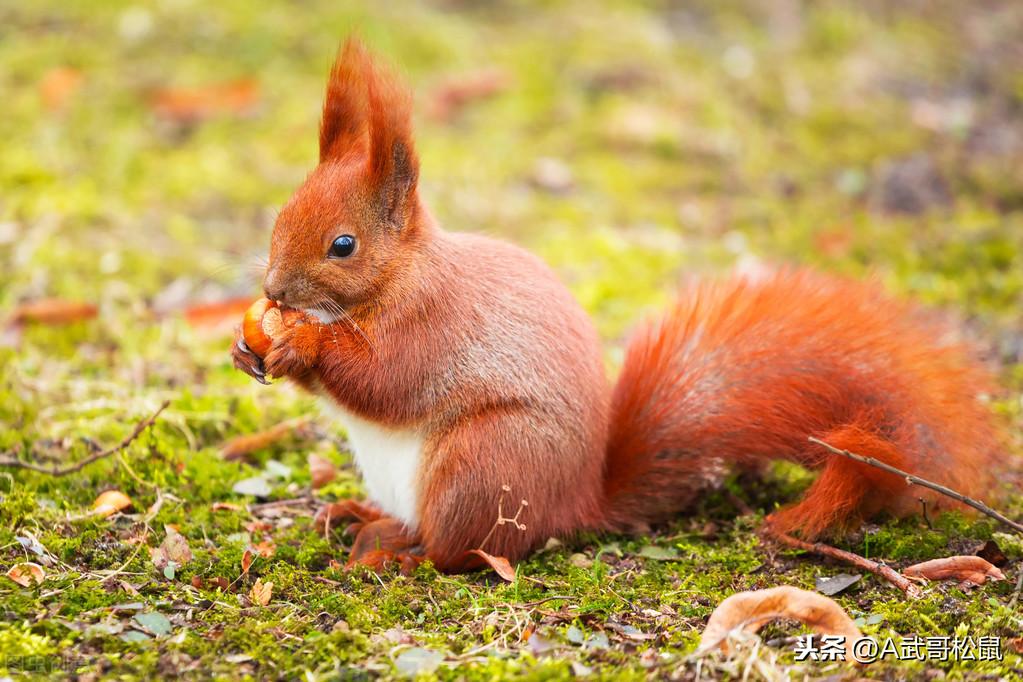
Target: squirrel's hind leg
(384, 541)
(503, 482)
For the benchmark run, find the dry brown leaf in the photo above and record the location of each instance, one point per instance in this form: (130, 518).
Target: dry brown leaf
(973, 569)
(246, 561)
(243, 446)
(266, 549)
(26, 573)
(226, 506)
(189, 105)
(500, 564)
(53, 311)
(258, 526)
(110, 502)
(750, 611)
(321, 470)
(261, 592)
(174, 548)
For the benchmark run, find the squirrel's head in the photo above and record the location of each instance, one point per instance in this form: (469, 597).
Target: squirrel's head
(349, 227)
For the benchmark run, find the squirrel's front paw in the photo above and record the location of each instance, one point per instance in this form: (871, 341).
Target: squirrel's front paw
(293, 353)
(247, 361)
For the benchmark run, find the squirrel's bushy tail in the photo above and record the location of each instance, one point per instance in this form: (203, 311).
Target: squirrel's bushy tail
(748, 369)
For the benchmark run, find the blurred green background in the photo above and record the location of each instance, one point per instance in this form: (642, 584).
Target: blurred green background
(146, 147)
(626, 142)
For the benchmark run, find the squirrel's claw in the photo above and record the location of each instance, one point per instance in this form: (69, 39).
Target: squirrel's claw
(248, 362)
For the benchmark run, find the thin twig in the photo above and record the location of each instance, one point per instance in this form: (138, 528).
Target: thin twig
(81, 464)
(878, 569)
(916, 480)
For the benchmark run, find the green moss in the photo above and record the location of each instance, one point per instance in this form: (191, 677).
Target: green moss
(695, 138)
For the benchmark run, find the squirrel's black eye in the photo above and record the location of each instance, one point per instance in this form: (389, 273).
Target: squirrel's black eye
(342, 247)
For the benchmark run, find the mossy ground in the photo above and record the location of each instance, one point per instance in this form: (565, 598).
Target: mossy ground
(871, 137)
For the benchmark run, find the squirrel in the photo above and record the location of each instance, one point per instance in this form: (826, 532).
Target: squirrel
(465, 373)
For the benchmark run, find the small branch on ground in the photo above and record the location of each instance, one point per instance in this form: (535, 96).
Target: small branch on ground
(81, 464)
(916, 480)
(891, 575)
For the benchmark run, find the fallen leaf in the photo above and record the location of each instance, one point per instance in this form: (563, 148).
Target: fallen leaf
(226, 506)
(110, 502)
(500, 564)
(246, 561)
(135, 636)
(257, 486)
(832, 585)
(261, 592)
(154, 622)
(750, 611)
(321, 470)
(53, 311)
(258, 526)
(173, 551)
(276, 470)
(972, 569)
(266, 549)
(242, 446)
(417, 660)
(189, 105)
(26, 573)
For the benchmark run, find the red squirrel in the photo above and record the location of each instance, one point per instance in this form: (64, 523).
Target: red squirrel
(466, 374)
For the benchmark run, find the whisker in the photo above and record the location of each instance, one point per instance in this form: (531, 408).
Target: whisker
(335, 307)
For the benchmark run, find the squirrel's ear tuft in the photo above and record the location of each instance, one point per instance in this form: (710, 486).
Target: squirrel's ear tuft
(343, 126)
(393, 164)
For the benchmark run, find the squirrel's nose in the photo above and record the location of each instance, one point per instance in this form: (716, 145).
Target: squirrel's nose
(273, 288)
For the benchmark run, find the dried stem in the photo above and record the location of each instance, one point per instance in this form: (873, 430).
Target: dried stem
(878, 569)
(916, 480)
(81, 464)
(502, 519)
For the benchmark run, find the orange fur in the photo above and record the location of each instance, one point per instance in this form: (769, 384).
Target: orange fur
(343, 125)
(741, 370)
(475, 348)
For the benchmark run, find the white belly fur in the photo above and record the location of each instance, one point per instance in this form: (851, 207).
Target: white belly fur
(388, 459)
